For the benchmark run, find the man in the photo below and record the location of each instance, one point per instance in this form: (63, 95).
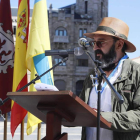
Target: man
(110, 44)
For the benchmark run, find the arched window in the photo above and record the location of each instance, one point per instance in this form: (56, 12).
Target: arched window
(60, 84)
(79, 86)
(60, 31)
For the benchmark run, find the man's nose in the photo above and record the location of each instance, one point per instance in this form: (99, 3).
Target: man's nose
(95, 47)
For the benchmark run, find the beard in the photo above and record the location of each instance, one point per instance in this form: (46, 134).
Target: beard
(106, 59)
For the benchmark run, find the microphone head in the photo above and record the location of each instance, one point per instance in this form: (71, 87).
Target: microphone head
(82, 42)
(78, 51)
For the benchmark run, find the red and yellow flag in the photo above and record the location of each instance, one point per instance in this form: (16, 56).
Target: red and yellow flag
(20, 70)
(6, 53)
(37, 62)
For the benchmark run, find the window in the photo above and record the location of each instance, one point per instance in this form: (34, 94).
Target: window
(57, 60)
(60, 84)
(81, 32)
(56, 32)
(86, 7)
(85, 31)
(79, 86)
(82, 62)
(61, 32)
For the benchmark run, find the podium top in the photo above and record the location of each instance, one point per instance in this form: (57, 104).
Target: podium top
(66, 102)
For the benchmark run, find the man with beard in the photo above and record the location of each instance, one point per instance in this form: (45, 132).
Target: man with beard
(110, 45)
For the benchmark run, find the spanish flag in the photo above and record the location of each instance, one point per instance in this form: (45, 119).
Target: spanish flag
(36, 60)
(20, 70)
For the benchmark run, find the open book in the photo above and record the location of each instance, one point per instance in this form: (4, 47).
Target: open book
(42, 86)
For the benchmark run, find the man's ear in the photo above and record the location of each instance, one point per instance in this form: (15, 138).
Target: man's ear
(119, 45)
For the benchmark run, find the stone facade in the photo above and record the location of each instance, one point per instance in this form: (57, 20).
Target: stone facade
(66, 26)
(74, 20)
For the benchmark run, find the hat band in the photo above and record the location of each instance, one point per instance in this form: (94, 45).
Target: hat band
(112, 31)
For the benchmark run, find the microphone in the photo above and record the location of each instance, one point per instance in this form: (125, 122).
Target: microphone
(83, 43)
(77, 51)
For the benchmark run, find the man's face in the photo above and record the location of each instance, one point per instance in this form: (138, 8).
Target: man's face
(104, 49)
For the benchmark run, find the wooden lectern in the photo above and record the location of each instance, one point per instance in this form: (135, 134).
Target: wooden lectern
(57, 108)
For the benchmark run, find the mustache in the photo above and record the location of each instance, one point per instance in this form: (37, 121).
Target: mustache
(98, 52)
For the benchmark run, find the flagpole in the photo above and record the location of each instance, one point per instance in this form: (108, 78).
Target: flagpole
(39, 132)
(5, 126)
(22, 130)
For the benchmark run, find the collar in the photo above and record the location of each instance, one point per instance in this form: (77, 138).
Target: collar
(126, 71)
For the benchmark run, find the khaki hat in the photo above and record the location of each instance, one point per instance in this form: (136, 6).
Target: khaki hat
(114, 27)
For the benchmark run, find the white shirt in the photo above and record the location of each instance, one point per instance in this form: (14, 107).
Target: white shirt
(105, 106)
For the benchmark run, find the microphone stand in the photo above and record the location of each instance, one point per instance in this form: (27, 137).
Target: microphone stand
(65, 58)
(99, 88)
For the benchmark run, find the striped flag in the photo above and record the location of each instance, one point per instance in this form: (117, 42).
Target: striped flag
(6, 53)
(20, 70)
(36, 60)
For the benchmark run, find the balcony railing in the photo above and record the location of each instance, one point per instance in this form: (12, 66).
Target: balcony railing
(61, 39)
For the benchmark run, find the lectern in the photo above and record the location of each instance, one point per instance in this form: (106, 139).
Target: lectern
(57, 108)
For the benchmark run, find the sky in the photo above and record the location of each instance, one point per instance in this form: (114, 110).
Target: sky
(126, 10)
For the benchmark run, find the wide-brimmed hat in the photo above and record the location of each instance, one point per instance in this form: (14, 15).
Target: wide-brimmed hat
(116, 28)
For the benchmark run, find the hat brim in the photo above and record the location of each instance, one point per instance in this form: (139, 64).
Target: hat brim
(130, 46)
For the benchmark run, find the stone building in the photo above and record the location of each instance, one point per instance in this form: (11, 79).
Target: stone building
(66, 26)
